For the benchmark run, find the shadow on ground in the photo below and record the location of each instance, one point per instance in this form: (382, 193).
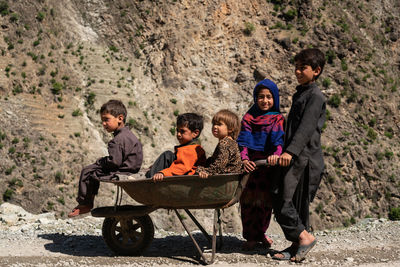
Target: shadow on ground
(176, 247)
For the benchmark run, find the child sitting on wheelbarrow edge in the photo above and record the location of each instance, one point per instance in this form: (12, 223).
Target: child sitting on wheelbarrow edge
(188, 154)
(124, 157)
(226, 157)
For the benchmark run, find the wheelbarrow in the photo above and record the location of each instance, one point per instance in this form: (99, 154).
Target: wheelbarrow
(128, 229)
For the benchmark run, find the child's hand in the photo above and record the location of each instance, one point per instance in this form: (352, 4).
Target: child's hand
(249, 166)
(285, 159)
(203, 175)
(158, 176)
(273, 160)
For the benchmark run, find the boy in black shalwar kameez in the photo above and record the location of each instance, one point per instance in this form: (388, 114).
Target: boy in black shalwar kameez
(124, 157)
(303, 148)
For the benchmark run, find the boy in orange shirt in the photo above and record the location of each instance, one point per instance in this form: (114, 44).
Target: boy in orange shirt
(188, 155)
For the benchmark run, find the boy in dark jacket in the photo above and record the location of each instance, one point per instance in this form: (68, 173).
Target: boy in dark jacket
(124, 157)
(303, 148)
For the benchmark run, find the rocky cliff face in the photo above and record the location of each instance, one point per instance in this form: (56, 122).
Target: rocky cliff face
(60, 60)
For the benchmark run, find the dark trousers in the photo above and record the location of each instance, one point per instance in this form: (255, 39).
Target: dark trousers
(88, 184)
(162, 162)
(291, 205)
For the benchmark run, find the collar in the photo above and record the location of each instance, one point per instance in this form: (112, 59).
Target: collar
(195, 141)
(119, 130)
(306, 87)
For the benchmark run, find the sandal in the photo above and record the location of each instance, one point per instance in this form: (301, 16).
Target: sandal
(288, 253)
(303, 250)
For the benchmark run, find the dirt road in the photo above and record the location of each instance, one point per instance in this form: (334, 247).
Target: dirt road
(42, 240)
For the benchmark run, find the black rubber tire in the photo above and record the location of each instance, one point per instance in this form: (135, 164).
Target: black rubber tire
(128, 236)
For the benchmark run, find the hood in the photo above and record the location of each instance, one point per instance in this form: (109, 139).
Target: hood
(273, 88)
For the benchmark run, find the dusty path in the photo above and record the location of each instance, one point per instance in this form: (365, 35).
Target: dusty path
(41, 240)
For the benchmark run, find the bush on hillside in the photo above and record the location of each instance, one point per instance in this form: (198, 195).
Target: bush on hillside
(394, 214)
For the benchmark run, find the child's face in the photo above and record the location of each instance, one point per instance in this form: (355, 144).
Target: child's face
(111, 123)
(265, 99)
(220, 130)
(305, 74)
(185, 135)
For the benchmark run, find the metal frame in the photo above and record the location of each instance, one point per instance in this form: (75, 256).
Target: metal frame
(213, 240)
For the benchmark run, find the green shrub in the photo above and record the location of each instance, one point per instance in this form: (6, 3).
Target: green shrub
(319, 208)
(372, 134)
(77, 112)
(90, 98)
(334, 100)
(14, 17)
(330, 56)
(249, 28)
(389, 154)
(113, 48)
(56, 89)
(4, 8)
(379, 156)
(172, 130)
(16, 182)
(50, 205)
(394, 214)
(326, 82)
(344, 65)
(61, 200)
(40, 16)
(372, 122)
(7, 195)
(290, 14)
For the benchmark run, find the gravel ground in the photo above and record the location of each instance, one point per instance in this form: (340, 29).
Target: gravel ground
(42, 240)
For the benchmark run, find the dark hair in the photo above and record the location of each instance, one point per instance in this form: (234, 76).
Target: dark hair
(312, 57)
(230, 119)
(115, 108)
(191, 120)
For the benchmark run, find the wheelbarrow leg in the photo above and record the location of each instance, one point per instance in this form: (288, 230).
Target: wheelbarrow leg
(206, 235)
(214, 238)
(219, 222)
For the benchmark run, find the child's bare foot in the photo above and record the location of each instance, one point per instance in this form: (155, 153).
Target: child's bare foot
(267, 241)
(79, 210)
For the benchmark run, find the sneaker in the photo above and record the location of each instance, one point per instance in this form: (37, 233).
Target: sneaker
(79, 210)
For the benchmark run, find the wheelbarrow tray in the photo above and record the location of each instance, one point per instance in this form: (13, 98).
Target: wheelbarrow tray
(183, 192)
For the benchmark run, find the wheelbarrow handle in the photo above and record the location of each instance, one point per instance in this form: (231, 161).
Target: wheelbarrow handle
(261, 162)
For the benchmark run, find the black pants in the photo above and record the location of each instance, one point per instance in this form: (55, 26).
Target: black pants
(162, 162)
(292, 206)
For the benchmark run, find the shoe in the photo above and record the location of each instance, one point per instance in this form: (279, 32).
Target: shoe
(303, 250)
(79, 210)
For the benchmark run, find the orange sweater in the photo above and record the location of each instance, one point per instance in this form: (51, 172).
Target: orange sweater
(187, 159)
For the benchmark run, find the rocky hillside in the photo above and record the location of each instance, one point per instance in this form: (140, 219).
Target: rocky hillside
(60, 60)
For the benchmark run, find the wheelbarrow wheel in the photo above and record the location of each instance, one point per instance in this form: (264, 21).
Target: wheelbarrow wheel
(128, 236)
